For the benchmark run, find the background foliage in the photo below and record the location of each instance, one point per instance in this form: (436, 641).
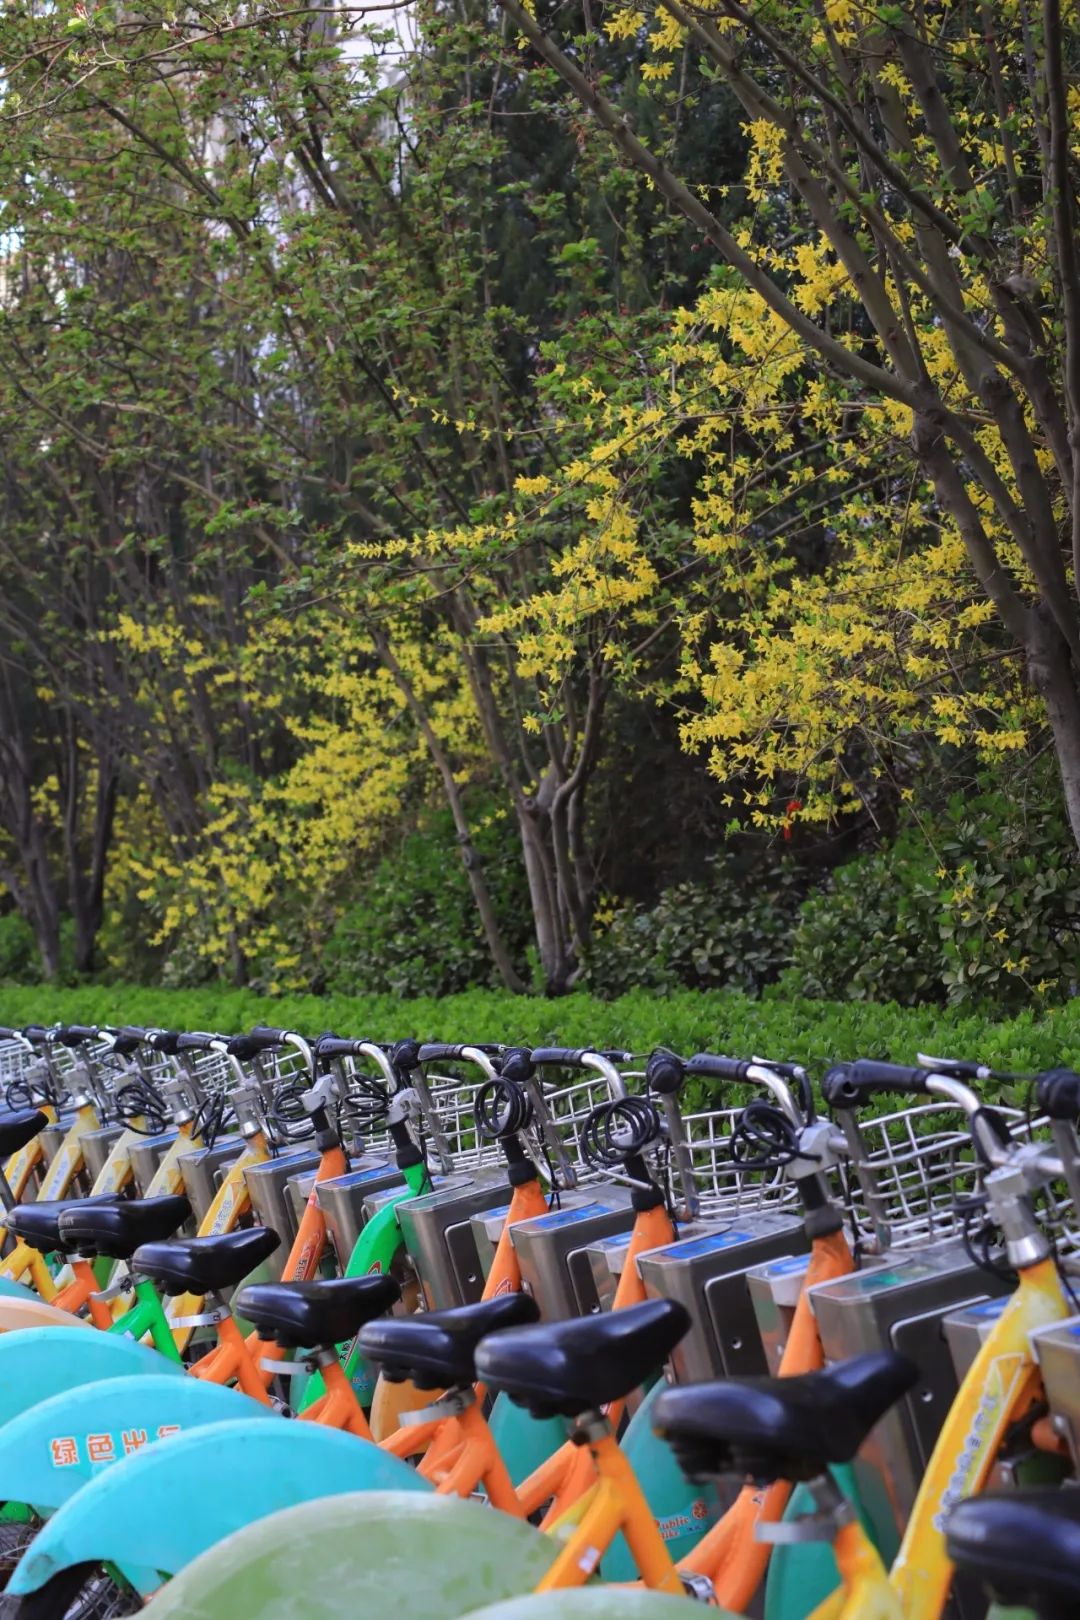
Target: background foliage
(515, 498)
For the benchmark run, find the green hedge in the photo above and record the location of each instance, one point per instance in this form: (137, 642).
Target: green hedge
(814, 1032)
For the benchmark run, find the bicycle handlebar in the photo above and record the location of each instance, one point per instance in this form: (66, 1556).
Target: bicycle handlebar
(1058, 1093)
(331, 1046)
(452, 1052)
(165, 1040)
(846, 1085)
(256, 1041)
(76, 1034)
(573, 1057)
(197, 1040)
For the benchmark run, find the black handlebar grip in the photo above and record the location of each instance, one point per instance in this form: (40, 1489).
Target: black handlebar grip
(665, 1072)
(258, 1040)
(76, 1034)
(7, 1033)
(127, 1040)
(165, 1040)
(713, 1066)
(439, 1051)
(848, 1084)
(195, 1040)
(570, 1056)
(35, 1032)
(331, 1046)
(1058, 1093)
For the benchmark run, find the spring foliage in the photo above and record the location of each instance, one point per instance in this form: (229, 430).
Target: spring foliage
(410, 419)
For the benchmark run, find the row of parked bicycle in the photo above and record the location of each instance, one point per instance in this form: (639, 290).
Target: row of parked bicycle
(310, 1328)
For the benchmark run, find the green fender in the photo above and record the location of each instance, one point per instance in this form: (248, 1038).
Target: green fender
(595, 1603)
(153, 1513)
(44, 1361)
(375, 1250)
(46, 1454)
(362, 1558)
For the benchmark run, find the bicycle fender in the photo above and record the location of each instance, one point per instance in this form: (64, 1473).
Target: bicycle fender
(593, 1603)
(10, 1289)
(21, 1311)
(682, 1511)
(41, 1362)
(153, 1513)
(802, 1575)
(371, 1556)
(51, 1451)
(522, 1441)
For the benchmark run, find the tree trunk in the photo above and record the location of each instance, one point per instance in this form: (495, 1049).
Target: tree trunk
(474, 871)
(1053, 676)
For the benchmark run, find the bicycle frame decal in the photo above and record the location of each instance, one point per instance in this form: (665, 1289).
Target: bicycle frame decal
(157, 1510)
(1003, 1383)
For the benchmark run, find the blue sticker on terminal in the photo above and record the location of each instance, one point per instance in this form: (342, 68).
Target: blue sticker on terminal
(567, 1217)
(707, 1245)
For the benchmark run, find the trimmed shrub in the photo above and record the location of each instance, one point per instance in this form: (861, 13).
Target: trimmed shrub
(729, 930)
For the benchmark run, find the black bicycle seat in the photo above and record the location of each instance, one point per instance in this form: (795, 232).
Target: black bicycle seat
(39, 1224)
(1023, 1545)
(566, 1368)
(781, 1428)
(16, 1129)
(316, 1314)
(117, 1230)
(436, 1349)
(203, 1265)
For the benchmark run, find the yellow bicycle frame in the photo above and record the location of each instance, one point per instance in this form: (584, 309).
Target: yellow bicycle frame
(230, 1205)
(1001, 1385)
(21, 1166)
(56, 1184)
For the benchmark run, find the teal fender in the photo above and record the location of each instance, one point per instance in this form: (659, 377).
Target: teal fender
(523, 1442)
(804, 1573)
(40, 1362)
(51, 1451)
(10, 1289)
(683, 1511)
(153, 1513)
(368, 1557)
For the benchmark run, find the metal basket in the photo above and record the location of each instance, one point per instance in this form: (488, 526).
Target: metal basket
(905, 1177)
(15, 1060)
(722, 1186)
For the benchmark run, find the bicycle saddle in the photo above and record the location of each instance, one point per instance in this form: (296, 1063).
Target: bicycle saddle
(1023, 1545)
(561, 1369)
(781, 1428)
(117, 1230)
(39, 1224)
(204, 1265)
(19, 1128)
(437, 1348)
(311, 1315)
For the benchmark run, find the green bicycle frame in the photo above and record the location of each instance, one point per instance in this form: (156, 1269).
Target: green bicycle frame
(375, 1250)
(147, 1317)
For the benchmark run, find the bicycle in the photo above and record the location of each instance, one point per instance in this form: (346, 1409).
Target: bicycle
(721, 1426)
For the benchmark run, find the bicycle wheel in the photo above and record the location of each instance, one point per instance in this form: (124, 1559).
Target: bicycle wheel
(83, 1592)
